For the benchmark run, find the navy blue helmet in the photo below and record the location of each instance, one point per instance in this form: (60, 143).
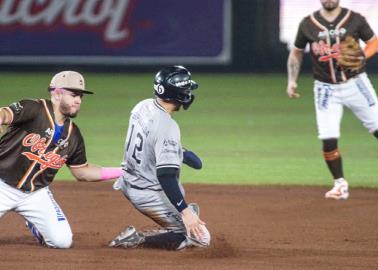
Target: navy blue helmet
(175, 83)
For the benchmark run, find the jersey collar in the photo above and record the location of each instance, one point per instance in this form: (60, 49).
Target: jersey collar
(159, 106)
(335, 22)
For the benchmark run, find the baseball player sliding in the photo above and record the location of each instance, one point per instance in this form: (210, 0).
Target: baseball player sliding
(152, 161)
(40, 139)
(338, 62)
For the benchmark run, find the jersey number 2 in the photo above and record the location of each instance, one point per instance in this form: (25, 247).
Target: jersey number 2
(138, 146)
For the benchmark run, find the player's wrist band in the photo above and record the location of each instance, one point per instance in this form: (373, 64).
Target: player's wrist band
(110, 173)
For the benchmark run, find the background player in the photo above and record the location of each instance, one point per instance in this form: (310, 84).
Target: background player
(152, 160)
(40, 139)
(335, 86)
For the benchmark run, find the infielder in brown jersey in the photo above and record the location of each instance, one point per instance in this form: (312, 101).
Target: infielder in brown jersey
(334, 86)
(40, 139)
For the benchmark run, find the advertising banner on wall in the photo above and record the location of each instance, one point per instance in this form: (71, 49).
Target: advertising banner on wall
(119, 32)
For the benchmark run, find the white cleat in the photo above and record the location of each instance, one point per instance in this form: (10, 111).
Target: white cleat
(117, 184)
(339, 191)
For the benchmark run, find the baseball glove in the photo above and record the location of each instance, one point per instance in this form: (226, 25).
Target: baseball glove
(351, 56)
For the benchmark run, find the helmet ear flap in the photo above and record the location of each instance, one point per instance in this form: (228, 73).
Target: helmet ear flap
(187, 105)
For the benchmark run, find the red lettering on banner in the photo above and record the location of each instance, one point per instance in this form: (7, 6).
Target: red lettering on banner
(107, 16)
(38, 144)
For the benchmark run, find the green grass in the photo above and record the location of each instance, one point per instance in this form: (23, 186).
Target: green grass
(242, 125)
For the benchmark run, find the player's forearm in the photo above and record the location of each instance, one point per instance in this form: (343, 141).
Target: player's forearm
(93, 173)
(168, 180)
(5, 116)
(294, 63)
(371, 47)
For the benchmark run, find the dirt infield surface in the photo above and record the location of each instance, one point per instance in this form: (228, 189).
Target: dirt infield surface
(251, 227)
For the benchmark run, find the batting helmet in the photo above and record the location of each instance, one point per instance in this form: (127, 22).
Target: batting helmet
(175, 83)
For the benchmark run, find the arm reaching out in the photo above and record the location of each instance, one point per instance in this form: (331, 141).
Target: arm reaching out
(93, 173)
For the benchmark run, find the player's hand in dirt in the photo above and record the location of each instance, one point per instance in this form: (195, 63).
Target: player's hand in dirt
(192, 223)
(292, 90)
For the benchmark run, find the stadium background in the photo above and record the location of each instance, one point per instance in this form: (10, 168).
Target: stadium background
(261, 188)
(242, 125)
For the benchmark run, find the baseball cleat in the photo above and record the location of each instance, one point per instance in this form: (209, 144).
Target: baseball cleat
(117, 184)
(129, 238)
(339, 191)
(35, 232)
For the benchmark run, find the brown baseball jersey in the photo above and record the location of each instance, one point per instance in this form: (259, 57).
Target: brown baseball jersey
(29, 158)
(324, 38)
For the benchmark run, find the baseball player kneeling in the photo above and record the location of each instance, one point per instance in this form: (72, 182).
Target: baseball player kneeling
(151, 164)
(40, 139)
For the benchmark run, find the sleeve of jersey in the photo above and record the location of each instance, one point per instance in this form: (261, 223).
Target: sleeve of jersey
(301, 39)
(168, 152)
(78, 158)
(365, 31)
(24, 110)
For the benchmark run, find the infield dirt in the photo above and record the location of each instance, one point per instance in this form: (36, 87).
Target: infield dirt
(252, 227)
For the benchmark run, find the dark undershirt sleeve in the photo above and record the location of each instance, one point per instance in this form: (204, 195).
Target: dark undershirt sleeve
(168, 178)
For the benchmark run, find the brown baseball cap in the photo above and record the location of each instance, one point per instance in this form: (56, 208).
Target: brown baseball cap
(70, 80)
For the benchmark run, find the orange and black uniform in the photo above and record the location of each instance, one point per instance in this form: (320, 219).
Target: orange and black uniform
(29, 157)
(324, 38)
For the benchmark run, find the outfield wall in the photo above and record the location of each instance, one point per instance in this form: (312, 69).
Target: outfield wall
(133, 35)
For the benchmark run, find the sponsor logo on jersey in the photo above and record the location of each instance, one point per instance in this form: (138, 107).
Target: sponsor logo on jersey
(17, 107)
(38, 147)
(333, 33)
(325, 51)
(49, 132)
(166, 151)
(169, 142)
(62, 144)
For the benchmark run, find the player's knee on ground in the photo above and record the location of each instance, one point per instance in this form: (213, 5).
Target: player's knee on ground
(63, 240)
